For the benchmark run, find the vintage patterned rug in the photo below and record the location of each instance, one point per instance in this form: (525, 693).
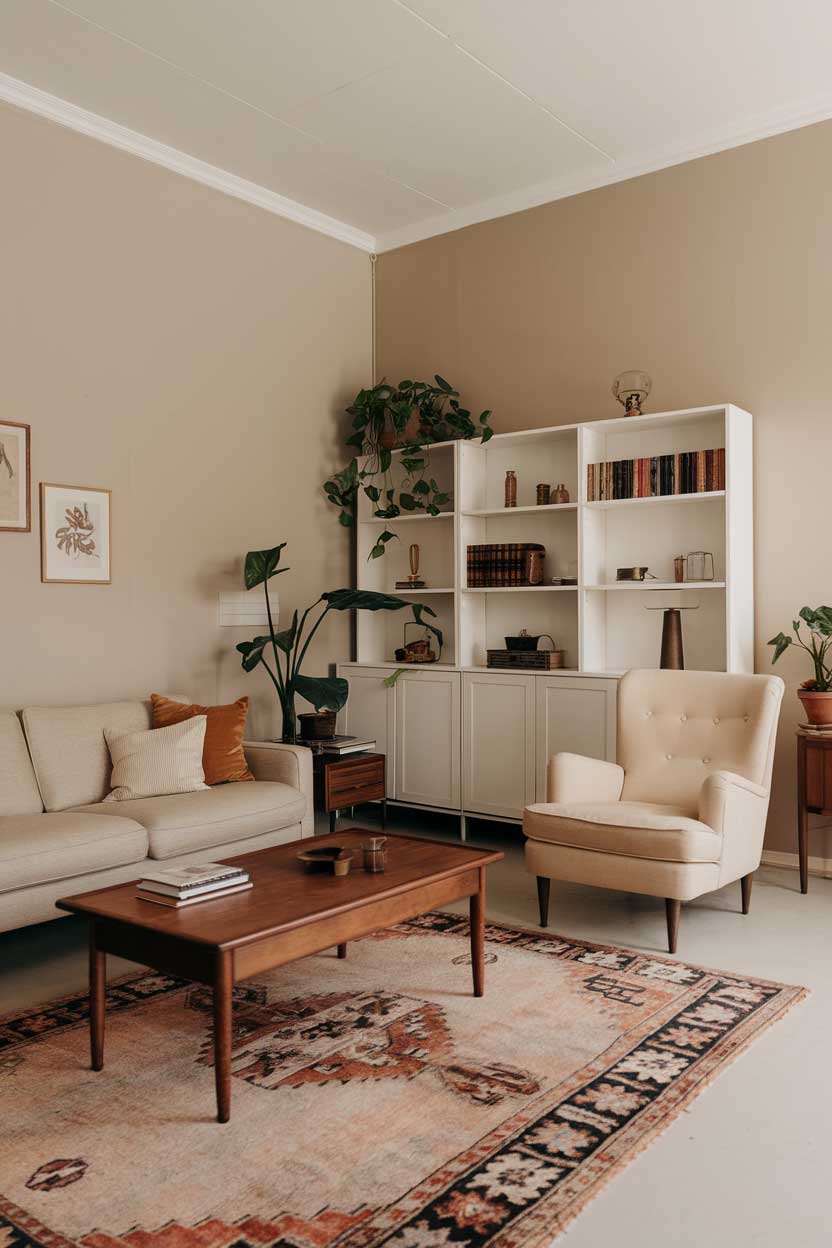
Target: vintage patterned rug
(375, 1101)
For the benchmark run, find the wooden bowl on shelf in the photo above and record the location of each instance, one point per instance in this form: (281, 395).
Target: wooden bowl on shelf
(333, 859)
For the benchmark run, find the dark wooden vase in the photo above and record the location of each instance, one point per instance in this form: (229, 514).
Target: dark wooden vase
(673, 653)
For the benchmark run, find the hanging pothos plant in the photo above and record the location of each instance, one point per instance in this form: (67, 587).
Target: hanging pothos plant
(410, 416)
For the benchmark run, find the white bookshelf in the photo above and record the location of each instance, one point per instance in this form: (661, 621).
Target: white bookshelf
(602, 624)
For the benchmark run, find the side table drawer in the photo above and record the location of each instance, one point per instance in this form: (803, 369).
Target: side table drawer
(350, 781)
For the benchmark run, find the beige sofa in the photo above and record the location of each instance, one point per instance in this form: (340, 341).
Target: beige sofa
(57, 836)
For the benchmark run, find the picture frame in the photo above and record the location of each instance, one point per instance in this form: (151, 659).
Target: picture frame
(75, 534)
(15, 477)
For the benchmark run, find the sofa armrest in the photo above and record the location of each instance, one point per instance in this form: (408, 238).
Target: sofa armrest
(287, 764)
(576, 778)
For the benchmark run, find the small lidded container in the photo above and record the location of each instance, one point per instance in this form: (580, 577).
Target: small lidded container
(375, 853)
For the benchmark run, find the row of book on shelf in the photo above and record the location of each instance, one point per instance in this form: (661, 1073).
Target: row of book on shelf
(686, 472)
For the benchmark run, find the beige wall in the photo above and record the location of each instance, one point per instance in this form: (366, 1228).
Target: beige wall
(716, 277)
(192, 353)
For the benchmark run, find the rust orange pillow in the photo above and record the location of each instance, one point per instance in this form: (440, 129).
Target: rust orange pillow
(223, 759)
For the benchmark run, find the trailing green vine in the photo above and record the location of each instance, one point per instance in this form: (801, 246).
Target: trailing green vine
(409, 417)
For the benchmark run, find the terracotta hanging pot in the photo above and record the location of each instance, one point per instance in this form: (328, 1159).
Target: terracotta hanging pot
(818, 706)
(391, 438)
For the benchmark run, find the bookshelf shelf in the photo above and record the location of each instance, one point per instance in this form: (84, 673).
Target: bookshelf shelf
(703, 496)
(385, 520)
(548, 510)
(601, 623)
(667, 586)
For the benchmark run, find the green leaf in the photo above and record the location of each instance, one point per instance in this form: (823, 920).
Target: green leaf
(419, 609)
(326, 693)
(356, 440)
(346, 519)
(443, 384)
(261, 565)
(487, 434)
(421, 487)
(286, 639)
(407, 501)
(484, 417)
(385, 459)
(781, 643)
(389, 681)
(252, 652)
(405, 385)
(372, 492)
(364, 600)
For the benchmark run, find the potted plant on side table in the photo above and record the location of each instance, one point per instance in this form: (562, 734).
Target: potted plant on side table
(815, 693)
(289, 646)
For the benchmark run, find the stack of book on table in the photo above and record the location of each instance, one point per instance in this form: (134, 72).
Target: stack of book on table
(184, 886)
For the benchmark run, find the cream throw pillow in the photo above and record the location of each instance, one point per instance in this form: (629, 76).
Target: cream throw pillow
(157, 761)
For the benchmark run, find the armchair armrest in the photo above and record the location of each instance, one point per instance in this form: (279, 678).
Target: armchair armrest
(286, 764)
(575, 778)
(725, 796)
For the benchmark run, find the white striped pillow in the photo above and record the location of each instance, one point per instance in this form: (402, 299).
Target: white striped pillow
(157, 761)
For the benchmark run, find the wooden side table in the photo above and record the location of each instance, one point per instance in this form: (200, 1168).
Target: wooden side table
(347, 781)
(814, 790)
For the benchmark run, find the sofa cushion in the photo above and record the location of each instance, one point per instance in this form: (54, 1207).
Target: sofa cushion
(635, 829)
(18, 787)
(69, 753)
(183, 822)
(35, 849)
(157, 761)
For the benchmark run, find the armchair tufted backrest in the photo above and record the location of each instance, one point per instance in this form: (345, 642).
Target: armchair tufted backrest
(675, 728)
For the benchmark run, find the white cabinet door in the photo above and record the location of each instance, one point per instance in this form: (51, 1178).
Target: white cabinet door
(575, 715)
(370, 712)
(498, 730)
(428, 738)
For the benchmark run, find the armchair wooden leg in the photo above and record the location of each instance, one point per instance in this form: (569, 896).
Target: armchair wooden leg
(673, 909)
(745, 885)
(543, 883)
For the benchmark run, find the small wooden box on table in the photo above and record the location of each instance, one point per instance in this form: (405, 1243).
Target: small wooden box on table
(814, 789)
(344, 781)
(286, 915)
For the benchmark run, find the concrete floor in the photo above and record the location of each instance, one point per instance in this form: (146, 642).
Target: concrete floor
(746, 1165)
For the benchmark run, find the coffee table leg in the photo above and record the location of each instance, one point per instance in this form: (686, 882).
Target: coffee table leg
(478, 936)
(223, 989)
(98, 988)
(342, 951)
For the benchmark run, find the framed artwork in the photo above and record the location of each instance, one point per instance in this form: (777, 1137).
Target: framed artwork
(75, 528)
(15, 487)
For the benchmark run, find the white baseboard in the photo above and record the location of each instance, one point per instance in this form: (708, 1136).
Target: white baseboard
(777, 858)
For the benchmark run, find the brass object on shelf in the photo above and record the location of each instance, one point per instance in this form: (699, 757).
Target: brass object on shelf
(418, 651)
(413, 581)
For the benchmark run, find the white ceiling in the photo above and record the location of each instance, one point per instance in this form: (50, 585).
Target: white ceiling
(399, 119)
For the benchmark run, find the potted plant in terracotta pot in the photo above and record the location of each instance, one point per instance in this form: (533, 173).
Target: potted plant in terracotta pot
(815, 693)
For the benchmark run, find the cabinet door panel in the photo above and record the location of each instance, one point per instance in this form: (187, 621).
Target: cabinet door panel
(428, 738)
(369, 712)
(576, 716)
(498, 729)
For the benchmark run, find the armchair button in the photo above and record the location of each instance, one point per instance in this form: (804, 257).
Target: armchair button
(648, 714)
(706, 760)
(668, 757)
(683, 719)
(716, 719)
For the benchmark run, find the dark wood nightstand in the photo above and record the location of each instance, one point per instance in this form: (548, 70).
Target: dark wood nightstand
(347, 781)
(814, 790)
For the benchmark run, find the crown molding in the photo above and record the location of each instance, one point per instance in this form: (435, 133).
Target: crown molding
(764, 127)
(33, 100)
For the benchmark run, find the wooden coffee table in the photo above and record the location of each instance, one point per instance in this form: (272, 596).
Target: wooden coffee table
(287, 915)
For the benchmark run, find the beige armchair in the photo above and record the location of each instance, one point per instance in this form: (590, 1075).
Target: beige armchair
(683, 811)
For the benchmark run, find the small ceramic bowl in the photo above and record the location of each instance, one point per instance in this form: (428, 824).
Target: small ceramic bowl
(334, 859)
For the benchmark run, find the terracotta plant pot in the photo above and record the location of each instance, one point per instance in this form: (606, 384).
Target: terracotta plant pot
(390, 439)
(317, 725)
(818, 706)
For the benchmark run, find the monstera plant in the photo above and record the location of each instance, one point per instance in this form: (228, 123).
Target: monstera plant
(282, 653)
